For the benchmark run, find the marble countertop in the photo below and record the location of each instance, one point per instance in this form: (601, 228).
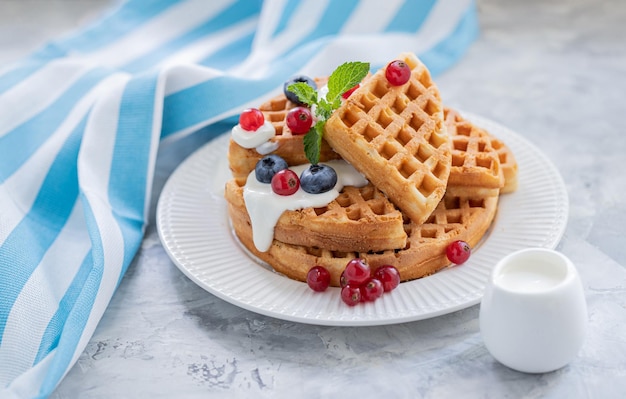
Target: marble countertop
(555, 72)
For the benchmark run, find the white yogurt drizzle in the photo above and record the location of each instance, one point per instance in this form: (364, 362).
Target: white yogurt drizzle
(253, 139)
(267, 147)
(265, 207)
(321, 93)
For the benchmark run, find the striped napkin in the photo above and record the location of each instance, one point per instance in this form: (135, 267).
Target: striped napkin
(82, 118)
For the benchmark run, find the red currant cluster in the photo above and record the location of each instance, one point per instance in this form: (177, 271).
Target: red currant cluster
(284, 181)
(358, 282)
(298, 119)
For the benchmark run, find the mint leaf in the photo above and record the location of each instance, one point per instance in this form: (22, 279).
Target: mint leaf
(313, 142)
(305, 93)
(324, 109)
(345, 77)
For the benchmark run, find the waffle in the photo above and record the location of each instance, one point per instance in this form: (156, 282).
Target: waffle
(476, 165)
(396, 137)
(487, 144)
(360, 219)
(435, 178)
(455, 218)
(508, 164)
(242, 161)
(288, 146)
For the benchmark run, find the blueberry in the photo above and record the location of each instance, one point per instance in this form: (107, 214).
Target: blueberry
(267, 167)
(304, 79)
(318, 179)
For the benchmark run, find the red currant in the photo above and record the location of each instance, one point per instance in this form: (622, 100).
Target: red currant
(318, 278)
(285, 182)
(357, 272)
(458, 252)
(388, 276)
(347, 94)
(397, 73)
(251, 119)
(299, 120)
(372, 290)
(342, 280)
(350, 295)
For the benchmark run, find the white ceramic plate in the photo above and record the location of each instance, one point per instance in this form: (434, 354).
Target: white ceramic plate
(193, 226)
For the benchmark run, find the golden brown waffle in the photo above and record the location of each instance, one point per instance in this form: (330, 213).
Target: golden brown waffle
(406, 127)
(484, 145)
(508, 164)
(395, 136)
(475, 163)
(455, 218)
(360, 219)
(288, 146)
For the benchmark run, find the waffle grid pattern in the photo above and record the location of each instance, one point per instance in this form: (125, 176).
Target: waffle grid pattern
(474, 161)
(455, 218)
(357, 204)
(396, 137)
(508, 164)
(275, 111)
(360, 218)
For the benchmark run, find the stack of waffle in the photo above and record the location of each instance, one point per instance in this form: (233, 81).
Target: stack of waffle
(434, 178)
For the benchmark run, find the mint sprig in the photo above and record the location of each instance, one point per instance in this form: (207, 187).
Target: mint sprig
(345, 77)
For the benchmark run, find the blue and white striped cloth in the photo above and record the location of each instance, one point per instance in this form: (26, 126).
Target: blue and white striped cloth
(81, 120)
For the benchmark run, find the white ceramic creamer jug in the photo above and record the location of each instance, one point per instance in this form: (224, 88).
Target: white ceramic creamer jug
(533, 316)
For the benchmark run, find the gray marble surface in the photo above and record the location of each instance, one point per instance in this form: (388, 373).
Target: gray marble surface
(553, 71)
